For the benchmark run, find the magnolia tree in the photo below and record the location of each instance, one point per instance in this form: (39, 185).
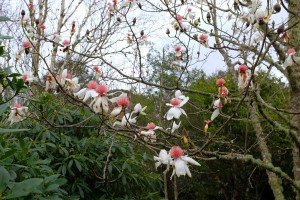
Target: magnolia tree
(92, 53)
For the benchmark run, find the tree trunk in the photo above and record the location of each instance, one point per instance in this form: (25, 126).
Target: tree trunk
(274, 180)
(293, 73)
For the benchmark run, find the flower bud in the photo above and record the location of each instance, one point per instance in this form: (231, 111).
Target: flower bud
(196, 22)
(277, 7)
(168, 31)
(195, 36)
(208, 17)
(280, 29)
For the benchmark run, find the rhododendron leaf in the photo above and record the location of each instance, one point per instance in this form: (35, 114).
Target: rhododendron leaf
(3, 108)
(4, 178)
(24, 188)
(3, 130)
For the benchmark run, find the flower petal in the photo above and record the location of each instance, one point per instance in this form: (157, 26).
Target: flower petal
(173, 113)
(215, 114)
(116, 111)
(190, 160)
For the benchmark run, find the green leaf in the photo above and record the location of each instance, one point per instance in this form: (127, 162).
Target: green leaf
(124, 180)
(4, 178)
(14, 75)
(3, 108)
(3, 130)
(4, 19)
(24, 188)
(78, 165)
(8, 154)
(70, 164)
(5, 37)
(51, 144)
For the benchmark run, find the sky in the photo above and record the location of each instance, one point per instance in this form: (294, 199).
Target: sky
(154, 27)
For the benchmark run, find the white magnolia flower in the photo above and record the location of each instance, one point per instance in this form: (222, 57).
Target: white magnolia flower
(180, 162)
(100, 102)
(163, 158)
(28, 77)
(88, 92)
(56, 37)
(217, 106)
(72, 84)
(176, 104)
(150, 135)
(50, 83)
(126, 121)
(174, 127)
(291, 59)
(17, 113)
(190, 14)
(64, 75)
(138, 109)
(244, 77)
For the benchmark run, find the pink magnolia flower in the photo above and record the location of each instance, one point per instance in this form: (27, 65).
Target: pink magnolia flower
(122, 101)
(291, 51)
(242, 68)
(217, 106)
(28, 77)
(66, 43)
(204, 39)
(176, 104)
(42, 26)
(26, 45)
(97, 70)
(244, 77)
(150, 134)
(88, 92)
(179, 18)
(178, 52)
(291, 58)
(100, 101)
(180, 162)
(67, 81)
(207, 122)
(220, 82)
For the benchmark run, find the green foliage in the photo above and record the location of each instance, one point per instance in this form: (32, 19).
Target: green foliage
(8, 81)
(71, 162)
